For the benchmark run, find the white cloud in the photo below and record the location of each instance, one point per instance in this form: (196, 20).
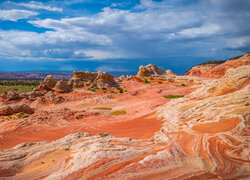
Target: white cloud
(204, 30)
(16, 14)
(38, 5)
(101, 54)
(150, 30)
(106, 68)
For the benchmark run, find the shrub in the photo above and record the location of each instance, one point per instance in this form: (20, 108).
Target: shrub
(92, 89)
(183, 85)
(113, 92)
(146, 81)
(119, 112)
(66, 149)
(79, 116)
(160, 82)
(173, 96)
(103, 108)
(103, 88)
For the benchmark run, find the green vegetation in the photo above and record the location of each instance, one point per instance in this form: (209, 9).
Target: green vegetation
(22, 115)
(120, 89)
(79, 116)
(146, 81)
(119, 112)
(103, 88)
(113, 92)
(66, 149)
(22, 86)
(183, 85)
(92, 89)
(173, 96)
(160, 82)
(103, 108)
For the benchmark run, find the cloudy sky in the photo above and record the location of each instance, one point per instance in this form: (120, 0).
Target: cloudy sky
(119, 35)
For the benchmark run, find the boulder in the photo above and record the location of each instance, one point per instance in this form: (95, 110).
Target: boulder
(48, 83)
(9, 110)
(12, 95)
(150, 71)
(61, 87)
(52, 98)
(6, 110)
(170, 73)
(124, 77)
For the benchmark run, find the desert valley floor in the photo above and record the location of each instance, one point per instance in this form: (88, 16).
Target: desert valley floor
(155, 125)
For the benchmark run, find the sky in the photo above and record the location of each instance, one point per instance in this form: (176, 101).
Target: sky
(118, 36)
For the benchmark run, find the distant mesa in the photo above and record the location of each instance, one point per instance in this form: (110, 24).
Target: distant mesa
(42, 75)
(217, 69)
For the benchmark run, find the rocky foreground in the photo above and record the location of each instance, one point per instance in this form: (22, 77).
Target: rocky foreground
(79, 134)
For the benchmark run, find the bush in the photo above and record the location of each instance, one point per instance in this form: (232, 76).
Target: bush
(160, 82)
(79, 116)
(173, 96)
(92, 89)
(146, 81)
(183, 85)
(119, 112)
(103, 108)
(103, 88)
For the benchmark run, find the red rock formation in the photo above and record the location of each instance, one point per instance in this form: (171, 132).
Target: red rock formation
(217, 69)
(92, 79)
(204, 135)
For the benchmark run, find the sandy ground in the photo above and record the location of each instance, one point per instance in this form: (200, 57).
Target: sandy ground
(51, 122)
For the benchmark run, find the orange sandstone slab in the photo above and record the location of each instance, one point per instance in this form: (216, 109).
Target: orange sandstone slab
(225, 124)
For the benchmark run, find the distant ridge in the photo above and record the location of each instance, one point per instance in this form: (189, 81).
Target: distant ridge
(35, 75)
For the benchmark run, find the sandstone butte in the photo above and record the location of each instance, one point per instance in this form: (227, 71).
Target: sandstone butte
(217, 69)
(76, 135)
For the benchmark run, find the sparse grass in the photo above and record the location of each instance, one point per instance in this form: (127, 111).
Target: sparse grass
(119, 112)
(103, 108)
(26, 115)
(79, 116)
(173, 96)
